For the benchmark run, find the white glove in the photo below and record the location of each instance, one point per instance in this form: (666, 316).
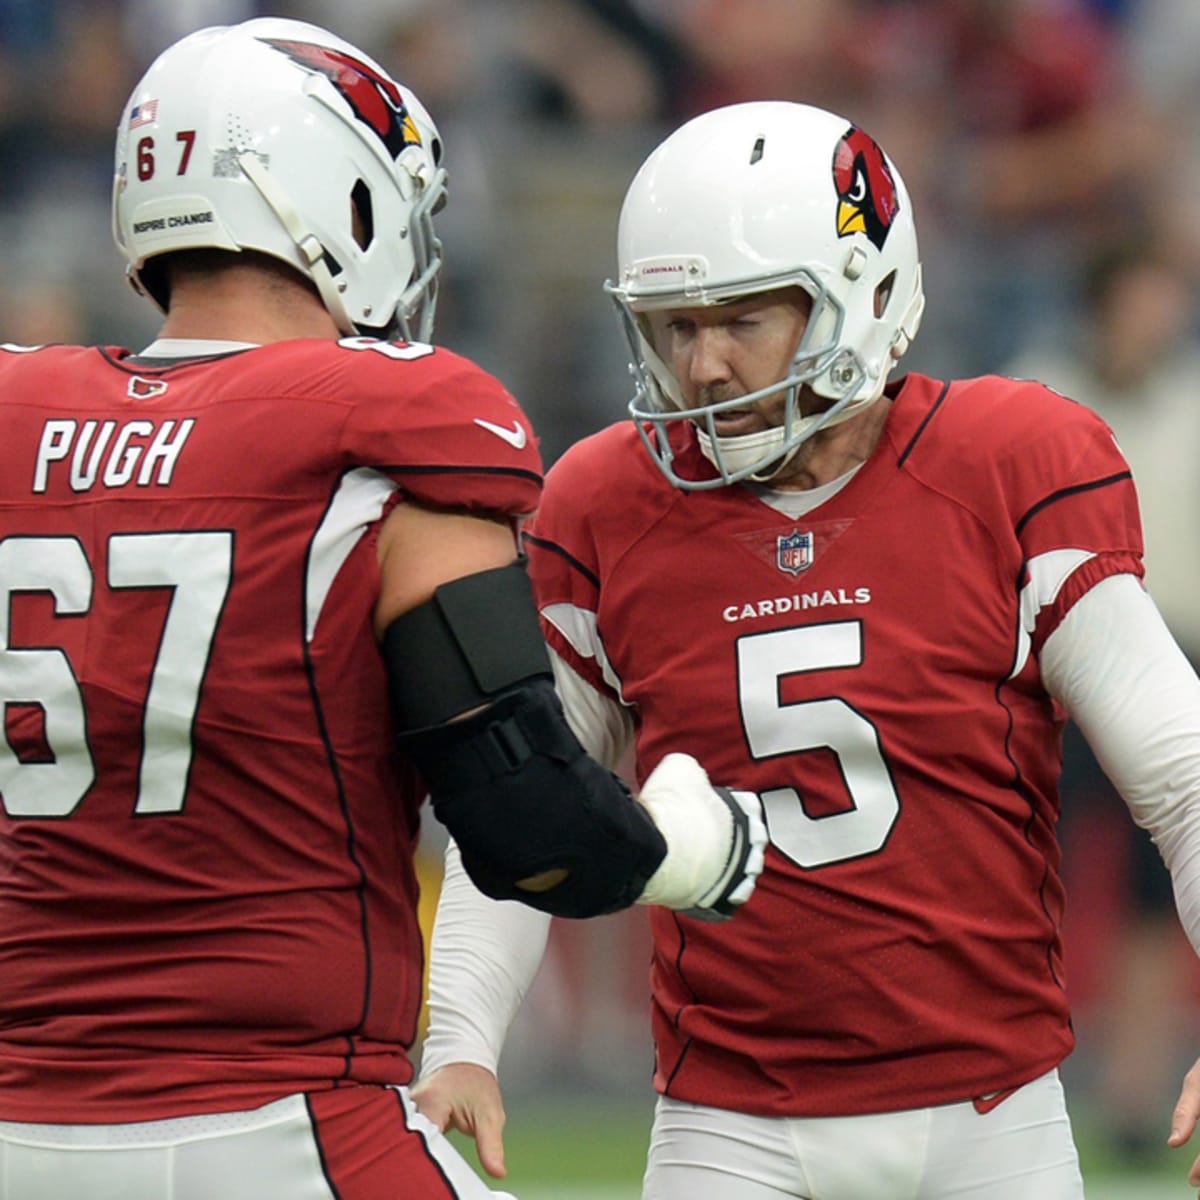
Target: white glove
(715, 841)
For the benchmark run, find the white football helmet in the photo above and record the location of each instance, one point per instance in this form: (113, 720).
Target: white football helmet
(747, 199)
(276, 136)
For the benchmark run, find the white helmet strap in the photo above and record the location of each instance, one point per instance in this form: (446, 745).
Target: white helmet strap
(305, 240)
(761, 456)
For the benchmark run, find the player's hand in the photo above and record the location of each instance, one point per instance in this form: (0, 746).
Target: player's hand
(715, 841)
(466, 1097)
(1183, 1120)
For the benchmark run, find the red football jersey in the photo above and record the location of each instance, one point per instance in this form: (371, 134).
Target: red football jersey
(870, 670)
(207, 897)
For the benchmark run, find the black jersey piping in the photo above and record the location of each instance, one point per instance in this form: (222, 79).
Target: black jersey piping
(351, 840)
(462, 469)
(315, 1127)
(555, 548)
(1020, 787)
(429, 1154)
(678, 1016)
(924, 424)
(1063, 493)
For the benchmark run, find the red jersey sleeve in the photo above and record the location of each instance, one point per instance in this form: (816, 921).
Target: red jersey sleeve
(444, 429)
(1076, 513)
(1054, 487)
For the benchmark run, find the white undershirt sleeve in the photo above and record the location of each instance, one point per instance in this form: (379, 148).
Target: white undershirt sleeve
(483, 958)
(603, 725)
(485, 953)
(1120, 674)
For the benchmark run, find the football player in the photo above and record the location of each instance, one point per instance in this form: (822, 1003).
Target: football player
(870, 602)
(260, 594)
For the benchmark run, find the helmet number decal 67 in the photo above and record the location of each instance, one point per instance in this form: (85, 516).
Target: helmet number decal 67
(775, 728)
(146, 164)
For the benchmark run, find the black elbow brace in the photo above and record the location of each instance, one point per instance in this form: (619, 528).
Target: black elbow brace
(511, 782)
(516, 790)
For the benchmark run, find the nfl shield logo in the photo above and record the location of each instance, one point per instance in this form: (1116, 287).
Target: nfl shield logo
(794, 552)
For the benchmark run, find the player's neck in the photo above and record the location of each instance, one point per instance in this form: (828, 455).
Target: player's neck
(831, 453)
(241, 307)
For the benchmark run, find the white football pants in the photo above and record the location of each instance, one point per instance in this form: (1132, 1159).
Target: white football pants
(1022, 1150)
(355, 1143)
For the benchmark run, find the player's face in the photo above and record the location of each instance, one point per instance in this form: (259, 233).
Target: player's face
(719, 352)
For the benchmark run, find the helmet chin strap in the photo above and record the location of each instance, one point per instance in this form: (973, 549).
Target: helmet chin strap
(731, 455)
(734, 455)
(311, 250)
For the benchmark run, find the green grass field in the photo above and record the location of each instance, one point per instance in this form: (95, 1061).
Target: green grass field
(573, 1149)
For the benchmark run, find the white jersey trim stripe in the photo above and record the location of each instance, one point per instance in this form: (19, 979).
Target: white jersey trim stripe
(360, 500)
(578, 626)
(1047, 574)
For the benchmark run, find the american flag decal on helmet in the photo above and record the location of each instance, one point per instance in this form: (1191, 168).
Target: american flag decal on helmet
(145, 113)
(794, 552)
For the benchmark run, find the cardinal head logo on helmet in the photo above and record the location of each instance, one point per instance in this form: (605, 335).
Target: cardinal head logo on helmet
(375, 99)
(867, 200)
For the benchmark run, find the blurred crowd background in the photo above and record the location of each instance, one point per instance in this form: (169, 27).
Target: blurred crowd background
(1052, 150)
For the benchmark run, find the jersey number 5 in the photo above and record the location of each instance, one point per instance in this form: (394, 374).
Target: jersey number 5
(197, 566)
(777, 728)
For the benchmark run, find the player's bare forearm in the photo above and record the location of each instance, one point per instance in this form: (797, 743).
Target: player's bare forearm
(466, 1097)
(1183, 1120)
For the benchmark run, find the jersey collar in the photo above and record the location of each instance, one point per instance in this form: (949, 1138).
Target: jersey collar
(192, 347)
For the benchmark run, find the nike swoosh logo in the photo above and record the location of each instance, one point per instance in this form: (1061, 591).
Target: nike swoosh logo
(515, 436)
